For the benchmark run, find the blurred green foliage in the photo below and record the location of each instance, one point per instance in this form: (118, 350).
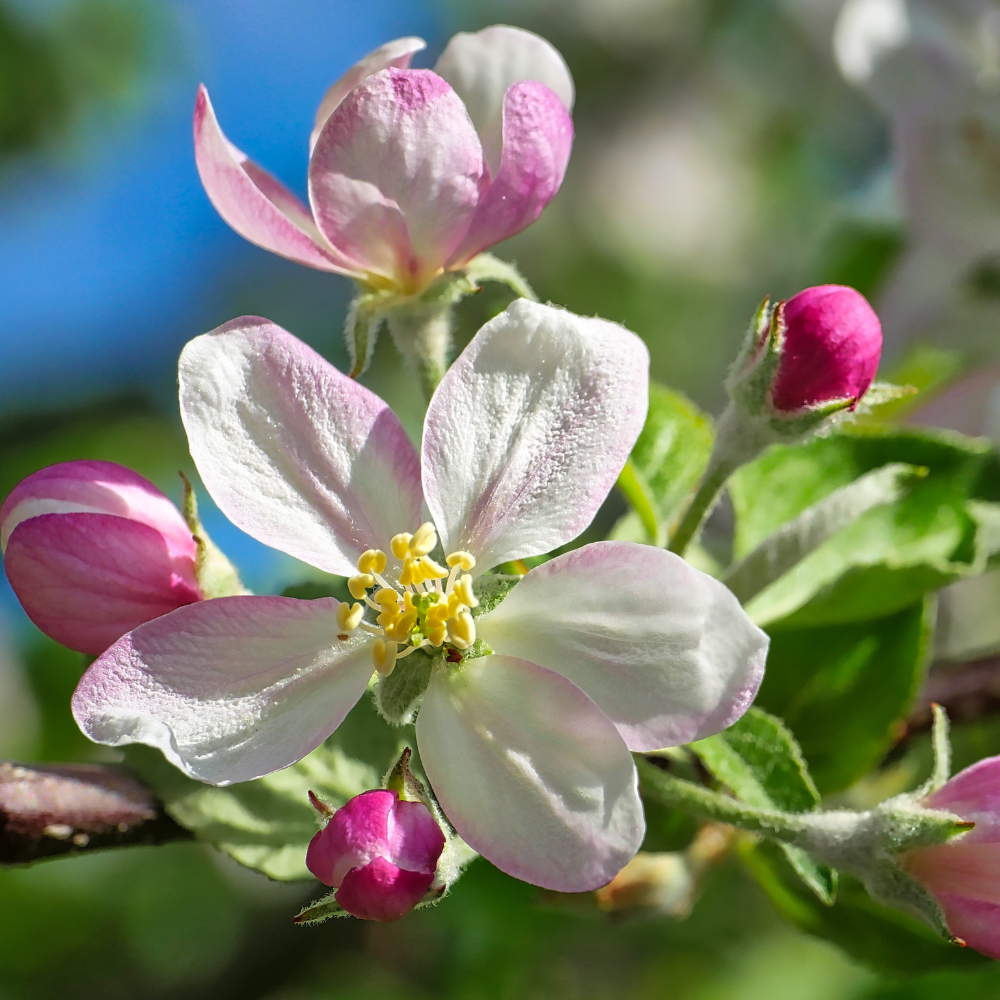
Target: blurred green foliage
(92, 53)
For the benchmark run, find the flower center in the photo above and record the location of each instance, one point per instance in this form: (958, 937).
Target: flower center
(428, 605)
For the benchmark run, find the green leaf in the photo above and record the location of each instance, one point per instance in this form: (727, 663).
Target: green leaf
(890, 556)
(844, 690)
(760, 762)
(795, 539)
(667, 463)
(267, 824)
(884, 939)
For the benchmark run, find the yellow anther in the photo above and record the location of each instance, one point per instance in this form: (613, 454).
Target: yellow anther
(437, 636)
(462, 630)
(349, 616)
(400, 545)
(438, 614)
(387, 598)
(431, 570)
(408, 603)
(409, 574)
(384, 656)
(358, 585)
(404, 626)
(371, 561)
(463, 560)
(463, 591)
(424, 539)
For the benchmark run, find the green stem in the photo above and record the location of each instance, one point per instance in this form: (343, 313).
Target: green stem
(423, 336)
(737, 441)
(679, 794)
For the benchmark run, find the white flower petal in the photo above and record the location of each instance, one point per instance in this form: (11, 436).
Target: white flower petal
(529, 429)
(229, 689)
(664, 650)
(294, 452)
(397, 53)
(530, 772)
(482, 65)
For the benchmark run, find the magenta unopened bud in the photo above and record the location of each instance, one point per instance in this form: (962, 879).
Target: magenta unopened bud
(830, 350)
(963, 874)
(380, 853)
(93, 550)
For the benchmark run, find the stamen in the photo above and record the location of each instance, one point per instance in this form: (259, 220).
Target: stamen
(463, 560)
(400, 545)
(371, 561)
(407, 651)
(357, 585)
(424, 539)
(463, 590)
(349, 616)
(431, 570)
(372, 604)
(384, 656)
(462, 630)
(380, 580)
(370, 629)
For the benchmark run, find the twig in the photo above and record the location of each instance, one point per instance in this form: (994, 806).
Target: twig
(50, 811)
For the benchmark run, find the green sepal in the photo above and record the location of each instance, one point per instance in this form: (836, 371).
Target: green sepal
(491, 589)
(398, 696)
(881, 393)
(323, 909)
(364, 318)
(401, 780)
(486, 267)
(217, 576)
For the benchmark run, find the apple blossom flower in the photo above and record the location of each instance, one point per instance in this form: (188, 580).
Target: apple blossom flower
(963, 874)
(832, 343)
(412, 172)
(379, 852)
(531, 709)
(92, 550)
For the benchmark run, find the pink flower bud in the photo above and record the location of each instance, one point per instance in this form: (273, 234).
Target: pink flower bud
(963, 874)
(380, 853)
(93, 550)
(831, 348)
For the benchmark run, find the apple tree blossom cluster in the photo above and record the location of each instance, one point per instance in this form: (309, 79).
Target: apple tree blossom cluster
(545, 679)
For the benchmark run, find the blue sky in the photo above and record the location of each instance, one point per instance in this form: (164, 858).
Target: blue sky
(111, 256)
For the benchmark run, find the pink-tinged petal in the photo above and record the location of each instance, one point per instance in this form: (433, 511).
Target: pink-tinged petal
(395, 175)
(530, 772)
(371, 825)
(229, 689)
(397, 54)
(356, 833)
(537, 140)
(973, 921)
(482, 66)
(959, 866)
(254, 203)
(381, 891)
(529, 429)
(87, 579)
(96, 488)
(973, 794)
(665, 650)
(294, 452)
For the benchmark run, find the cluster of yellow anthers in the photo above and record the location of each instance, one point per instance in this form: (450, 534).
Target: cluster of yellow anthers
(420, 610)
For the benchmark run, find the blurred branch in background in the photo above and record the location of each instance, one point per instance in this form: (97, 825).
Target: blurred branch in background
(89, 54)
(52, 811)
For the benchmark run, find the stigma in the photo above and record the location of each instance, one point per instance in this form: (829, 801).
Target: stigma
(419, 603)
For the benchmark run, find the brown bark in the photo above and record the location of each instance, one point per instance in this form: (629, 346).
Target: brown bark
(54, 810)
